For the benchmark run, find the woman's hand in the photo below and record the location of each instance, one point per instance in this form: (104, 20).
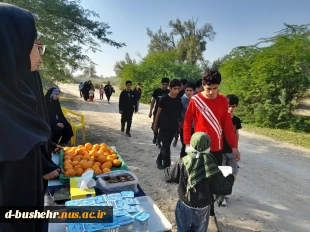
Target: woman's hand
(53, 175)
(61, 125)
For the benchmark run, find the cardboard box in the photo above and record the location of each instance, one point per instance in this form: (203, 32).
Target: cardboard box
(77, 193)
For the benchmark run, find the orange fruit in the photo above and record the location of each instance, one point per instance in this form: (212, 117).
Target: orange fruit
(88, 169)
(92, 159)
(114, 156)
(85, 157)
(96, 147)
(86, 165)
(117, 163)
(106, 153)
(74, 163)
(103, 144)
(67, 157)
(95, 167)
(78, 151)
(107, 164)
(68, 166)
(91, 162)
(98, 163)
(111, 158)
(70, 172)
(68, 153)
(83, 161)
(88, 146)
(97, 171)
(102, 159)
(77, 158)
(93, 152)
(112, 152)
(80, 146)
(67, 148)
(106, 170)
(67, 162)
(79, 171)
(77, 166)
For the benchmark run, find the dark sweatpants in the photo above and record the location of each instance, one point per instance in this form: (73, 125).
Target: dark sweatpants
(127, 118)
(166, 138)
(219, 158)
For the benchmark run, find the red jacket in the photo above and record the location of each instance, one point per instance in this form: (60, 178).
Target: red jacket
(210, 116)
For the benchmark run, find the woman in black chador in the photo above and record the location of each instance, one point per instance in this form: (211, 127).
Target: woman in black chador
(59, 125)
(85, 90)
(24, 131)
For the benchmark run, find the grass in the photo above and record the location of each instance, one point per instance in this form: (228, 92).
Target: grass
(296, 138)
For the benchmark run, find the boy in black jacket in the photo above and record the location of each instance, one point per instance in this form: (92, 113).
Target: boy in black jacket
(127, 105)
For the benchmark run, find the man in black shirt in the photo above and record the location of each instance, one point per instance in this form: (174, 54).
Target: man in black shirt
(157, 94)
(127, 105)
(183, 86)
(138, 93)
(168, 114)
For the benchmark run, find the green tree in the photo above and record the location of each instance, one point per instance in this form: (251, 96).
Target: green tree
(270, 79)
(185, 36)
(68, 30)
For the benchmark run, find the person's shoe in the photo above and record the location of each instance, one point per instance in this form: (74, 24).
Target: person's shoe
(175, 142)
(154, 140)
(122, 129)
(159, 165)
(128, 134)
(158, 145)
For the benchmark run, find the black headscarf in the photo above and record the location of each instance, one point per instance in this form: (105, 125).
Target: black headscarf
(19, 120)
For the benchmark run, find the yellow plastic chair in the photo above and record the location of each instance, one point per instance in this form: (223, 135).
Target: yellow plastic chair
(74, 125)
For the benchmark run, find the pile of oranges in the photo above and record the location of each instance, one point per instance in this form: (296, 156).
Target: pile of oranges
(99, 158)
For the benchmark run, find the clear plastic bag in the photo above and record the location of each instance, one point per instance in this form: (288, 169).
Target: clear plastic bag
(106, 187)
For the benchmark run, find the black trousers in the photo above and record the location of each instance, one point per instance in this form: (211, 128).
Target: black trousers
(101, 96)
(183, 153)
(108, 96)
(21, 184)
(156, 133)
(166, 138)
(127, 118)
(219, 158)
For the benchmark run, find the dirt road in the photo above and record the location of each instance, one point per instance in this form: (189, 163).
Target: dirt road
(272, 192)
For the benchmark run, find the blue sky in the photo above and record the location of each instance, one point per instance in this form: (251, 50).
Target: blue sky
(236, 22)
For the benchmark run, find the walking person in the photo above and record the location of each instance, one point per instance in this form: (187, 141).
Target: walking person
(108, 90)
(127, 105)
(168, 113)
(138, 93)
(189, 92)
(101, 92)
(157, 94)
(208, 111)
(199, 178)
(81, 88)
(228, 156)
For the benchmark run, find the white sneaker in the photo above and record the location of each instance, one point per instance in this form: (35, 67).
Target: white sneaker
(224, 203)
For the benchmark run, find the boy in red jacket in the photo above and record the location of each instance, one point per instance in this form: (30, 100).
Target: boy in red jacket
(208, 111)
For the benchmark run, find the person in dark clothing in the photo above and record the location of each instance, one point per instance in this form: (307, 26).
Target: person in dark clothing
(183, 85)
(49, 169)
(138, 93)
(199, 87)
(20, 163)
(127, 105)
(108, 90)
(85, 89)
(181, 93)
(157, 94)
(168, 114)
(59, 125)
(81, 88)
(189, 92)
(199, 178)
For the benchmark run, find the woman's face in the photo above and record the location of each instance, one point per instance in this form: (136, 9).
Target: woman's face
(35, 58)
(56, 96)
